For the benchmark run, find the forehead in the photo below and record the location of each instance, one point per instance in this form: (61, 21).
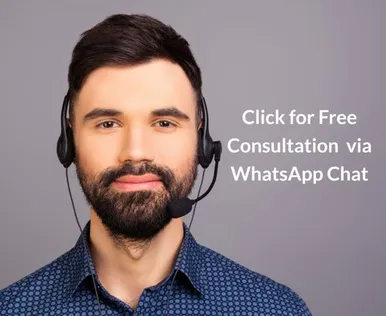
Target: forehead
(142, 87)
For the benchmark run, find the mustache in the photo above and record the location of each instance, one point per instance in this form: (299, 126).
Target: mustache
(164, 173)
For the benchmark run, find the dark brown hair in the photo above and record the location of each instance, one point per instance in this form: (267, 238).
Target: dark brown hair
(124, 40)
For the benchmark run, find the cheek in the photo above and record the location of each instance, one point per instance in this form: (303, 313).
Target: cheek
(178, 154)
(95, 154)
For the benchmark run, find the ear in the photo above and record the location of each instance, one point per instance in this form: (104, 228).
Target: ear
(200, 124)
(68, 122)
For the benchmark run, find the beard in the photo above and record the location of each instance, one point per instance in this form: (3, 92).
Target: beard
(135, 216)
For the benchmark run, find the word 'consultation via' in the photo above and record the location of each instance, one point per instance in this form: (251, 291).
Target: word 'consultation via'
(323, 117)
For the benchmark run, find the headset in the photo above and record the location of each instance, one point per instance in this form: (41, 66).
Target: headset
(207, 151)
(207, 148)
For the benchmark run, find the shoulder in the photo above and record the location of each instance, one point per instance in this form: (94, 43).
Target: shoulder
(250, 287)
(42, 283)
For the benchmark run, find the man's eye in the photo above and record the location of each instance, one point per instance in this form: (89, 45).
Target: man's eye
(106, 124)
(165, 124)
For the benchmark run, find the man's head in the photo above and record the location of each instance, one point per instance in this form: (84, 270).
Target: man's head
(134, 89)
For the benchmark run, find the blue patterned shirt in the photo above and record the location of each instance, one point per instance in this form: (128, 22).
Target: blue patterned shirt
(207, 284)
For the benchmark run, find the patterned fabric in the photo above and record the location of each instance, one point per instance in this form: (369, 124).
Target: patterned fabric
(207, 284)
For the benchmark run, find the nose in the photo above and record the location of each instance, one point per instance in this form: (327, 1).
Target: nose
(136, 146)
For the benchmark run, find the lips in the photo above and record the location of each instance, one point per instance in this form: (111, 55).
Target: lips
(134, 183)
(138, 179)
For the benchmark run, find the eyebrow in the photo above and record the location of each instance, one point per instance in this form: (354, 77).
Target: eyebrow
(98, 112)
(169, 111)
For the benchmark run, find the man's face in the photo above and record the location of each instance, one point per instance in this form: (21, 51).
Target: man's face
(136, 141)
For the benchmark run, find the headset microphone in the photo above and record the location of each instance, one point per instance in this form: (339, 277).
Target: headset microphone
(181, 207)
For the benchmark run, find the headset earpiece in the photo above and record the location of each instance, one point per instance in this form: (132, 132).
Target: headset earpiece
(205, 142)
(65, 148)
(205, 149)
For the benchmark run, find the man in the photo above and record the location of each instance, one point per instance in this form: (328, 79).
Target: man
(134, 91)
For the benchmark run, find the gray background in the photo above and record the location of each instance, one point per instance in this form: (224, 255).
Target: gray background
(326, 241)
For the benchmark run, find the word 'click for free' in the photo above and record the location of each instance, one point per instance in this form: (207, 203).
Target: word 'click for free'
(323, 117)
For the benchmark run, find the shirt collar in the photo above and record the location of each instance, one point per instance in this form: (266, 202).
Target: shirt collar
(189, 260)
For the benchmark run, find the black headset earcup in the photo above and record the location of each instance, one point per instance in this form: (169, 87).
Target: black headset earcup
(65, 148)
(205, 149)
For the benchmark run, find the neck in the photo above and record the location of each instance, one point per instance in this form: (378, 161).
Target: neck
(126, 269)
